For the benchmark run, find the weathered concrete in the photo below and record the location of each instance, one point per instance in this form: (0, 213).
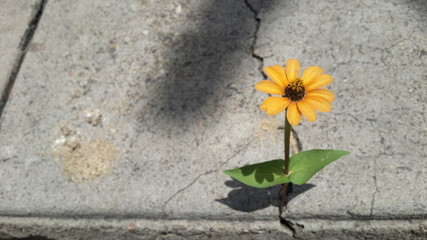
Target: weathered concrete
(125, 112)
(167, 90)
(15, 23)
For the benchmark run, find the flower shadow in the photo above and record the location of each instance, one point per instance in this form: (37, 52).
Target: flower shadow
(199, 62)
(244, 198)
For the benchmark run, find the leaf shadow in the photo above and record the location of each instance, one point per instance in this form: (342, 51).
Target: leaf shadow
(245, 198)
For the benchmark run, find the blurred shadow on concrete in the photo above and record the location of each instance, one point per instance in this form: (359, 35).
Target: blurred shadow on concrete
(249, 199)
(298, 189)
(201, 60)
(421, 7)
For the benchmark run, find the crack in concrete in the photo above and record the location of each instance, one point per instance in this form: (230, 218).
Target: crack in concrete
(255, 37)
(23, 47)
(206, 173)
(296, 143)
(293, 227)
(6, 159)
(376, 189)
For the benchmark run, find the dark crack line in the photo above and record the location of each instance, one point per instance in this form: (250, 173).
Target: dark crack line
(5, 159)
(206, 173)
(297, 146)
(255, 37)
(23, 47)
(294, 227)
(376, 189)
(294, 137)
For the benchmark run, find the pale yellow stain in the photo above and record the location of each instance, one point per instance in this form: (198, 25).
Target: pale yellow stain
(267, 128)
(90, 160)
(83, 160)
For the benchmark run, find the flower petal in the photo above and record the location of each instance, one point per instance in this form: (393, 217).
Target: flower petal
(269, 87)
(319, 82)
(306, 109)
(293, 114)
(324, 93)
(292, 69)
(277, 74)
(318, 103)
(310, 74)
(274, 105)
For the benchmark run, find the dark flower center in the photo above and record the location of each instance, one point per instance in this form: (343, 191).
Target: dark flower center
(295, 90)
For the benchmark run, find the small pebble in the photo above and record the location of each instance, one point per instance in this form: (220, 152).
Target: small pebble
(94, 117)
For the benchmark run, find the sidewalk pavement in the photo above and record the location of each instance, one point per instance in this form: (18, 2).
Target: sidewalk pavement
(123, 114)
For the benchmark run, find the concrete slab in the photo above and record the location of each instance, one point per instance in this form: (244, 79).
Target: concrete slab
(128, 105)
(125, 112)
(15, 19)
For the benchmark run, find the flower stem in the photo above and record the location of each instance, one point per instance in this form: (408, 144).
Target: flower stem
(287, 138)
(287, 144)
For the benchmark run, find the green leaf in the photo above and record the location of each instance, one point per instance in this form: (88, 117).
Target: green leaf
(305, 164)
(260, 175)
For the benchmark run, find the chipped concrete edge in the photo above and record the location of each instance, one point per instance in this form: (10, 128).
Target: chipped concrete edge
(137, 228)
(73, 228)
(359, 229)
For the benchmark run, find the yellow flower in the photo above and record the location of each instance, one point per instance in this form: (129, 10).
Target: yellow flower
(300, 96)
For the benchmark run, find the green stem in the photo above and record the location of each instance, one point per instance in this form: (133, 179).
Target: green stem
(287, 138)
(287, 144)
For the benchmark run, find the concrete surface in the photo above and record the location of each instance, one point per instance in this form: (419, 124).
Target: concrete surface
(124, 114)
